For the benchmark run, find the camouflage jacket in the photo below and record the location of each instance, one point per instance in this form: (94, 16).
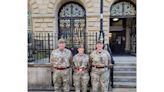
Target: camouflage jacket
(61, 58)
(103, 58)
(81, 61)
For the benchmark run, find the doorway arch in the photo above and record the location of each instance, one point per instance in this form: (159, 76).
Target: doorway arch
(72, 24)
(123, 27)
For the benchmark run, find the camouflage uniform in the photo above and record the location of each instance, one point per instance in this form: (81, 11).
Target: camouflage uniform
(61, 70)
(81, 76)
(100, 74)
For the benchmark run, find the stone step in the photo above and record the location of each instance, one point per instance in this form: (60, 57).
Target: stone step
(124, 74)
(129, 77)
(124, 62)
(125, 84)
(124, 66)
(124, 79)
(124, 69)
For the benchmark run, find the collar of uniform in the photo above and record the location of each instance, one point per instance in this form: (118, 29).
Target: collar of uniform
(80, 54)
(99, 52)
(62, 50)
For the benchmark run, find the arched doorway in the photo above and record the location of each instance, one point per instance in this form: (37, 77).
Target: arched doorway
(123, 27)
(72, 24)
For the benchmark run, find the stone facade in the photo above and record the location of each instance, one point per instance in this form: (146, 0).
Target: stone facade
(44, 15)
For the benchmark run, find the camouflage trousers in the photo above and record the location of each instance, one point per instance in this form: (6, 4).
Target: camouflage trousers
(100, 79)
(80, 81)
(61, 77)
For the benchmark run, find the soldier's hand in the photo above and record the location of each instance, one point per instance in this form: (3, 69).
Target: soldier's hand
(53, 59)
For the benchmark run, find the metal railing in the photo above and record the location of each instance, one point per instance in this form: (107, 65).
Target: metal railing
(41, 44)
(40, 47)
(113, 62)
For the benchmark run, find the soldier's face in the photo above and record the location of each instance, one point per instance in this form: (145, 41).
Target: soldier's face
(81, 50)
(61, 45)
(99, 45)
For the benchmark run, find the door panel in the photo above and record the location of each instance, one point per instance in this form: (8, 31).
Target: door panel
(72, 23)
(118, 42)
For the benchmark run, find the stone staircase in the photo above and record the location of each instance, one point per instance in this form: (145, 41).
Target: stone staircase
(124, 73)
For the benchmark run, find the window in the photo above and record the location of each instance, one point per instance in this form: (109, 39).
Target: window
(123, 9)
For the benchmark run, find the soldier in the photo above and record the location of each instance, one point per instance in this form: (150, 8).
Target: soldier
(60, 60)
(100, 62)
(80, 66)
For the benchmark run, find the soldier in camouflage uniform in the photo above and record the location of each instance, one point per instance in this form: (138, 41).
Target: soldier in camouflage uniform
(80, 66)
(100, 62)
(60, 60)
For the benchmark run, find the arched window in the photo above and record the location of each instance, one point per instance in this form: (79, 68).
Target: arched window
(123, 9)
(72, 24)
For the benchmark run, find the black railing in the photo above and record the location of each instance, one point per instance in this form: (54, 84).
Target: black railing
(40, 47)
(113, 62)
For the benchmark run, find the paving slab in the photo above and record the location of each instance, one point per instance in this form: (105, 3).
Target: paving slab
(114, 90)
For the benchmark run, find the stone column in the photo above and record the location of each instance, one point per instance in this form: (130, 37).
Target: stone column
(127, 45)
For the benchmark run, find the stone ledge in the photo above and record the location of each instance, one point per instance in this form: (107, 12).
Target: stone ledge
(43, 15)
(92, 14)
(39, 65)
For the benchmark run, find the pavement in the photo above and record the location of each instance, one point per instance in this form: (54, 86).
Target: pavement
(124, 90)
(114, 90)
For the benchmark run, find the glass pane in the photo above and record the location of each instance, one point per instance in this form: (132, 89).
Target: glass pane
(77, 11)
(78, 32)
(122, 8)
(66, 11)
(65, 29)
(117, 9)
(72, 10)
(128, 9)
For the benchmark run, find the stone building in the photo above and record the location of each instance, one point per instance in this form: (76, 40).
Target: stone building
(71, 18)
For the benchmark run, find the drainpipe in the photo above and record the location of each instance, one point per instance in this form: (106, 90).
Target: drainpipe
(101, 35)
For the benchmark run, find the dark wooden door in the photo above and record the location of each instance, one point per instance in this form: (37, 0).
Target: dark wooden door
(118, 42)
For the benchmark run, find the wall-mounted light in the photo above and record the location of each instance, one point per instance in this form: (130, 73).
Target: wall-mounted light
(115, 19)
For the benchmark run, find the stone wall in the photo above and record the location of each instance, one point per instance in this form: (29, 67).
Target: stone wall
(44, 14)
(39, 76)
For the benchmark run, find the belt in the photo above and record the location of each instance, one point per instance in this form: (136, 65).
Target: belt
(80, 68)
(61, 68)
(99, 66)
